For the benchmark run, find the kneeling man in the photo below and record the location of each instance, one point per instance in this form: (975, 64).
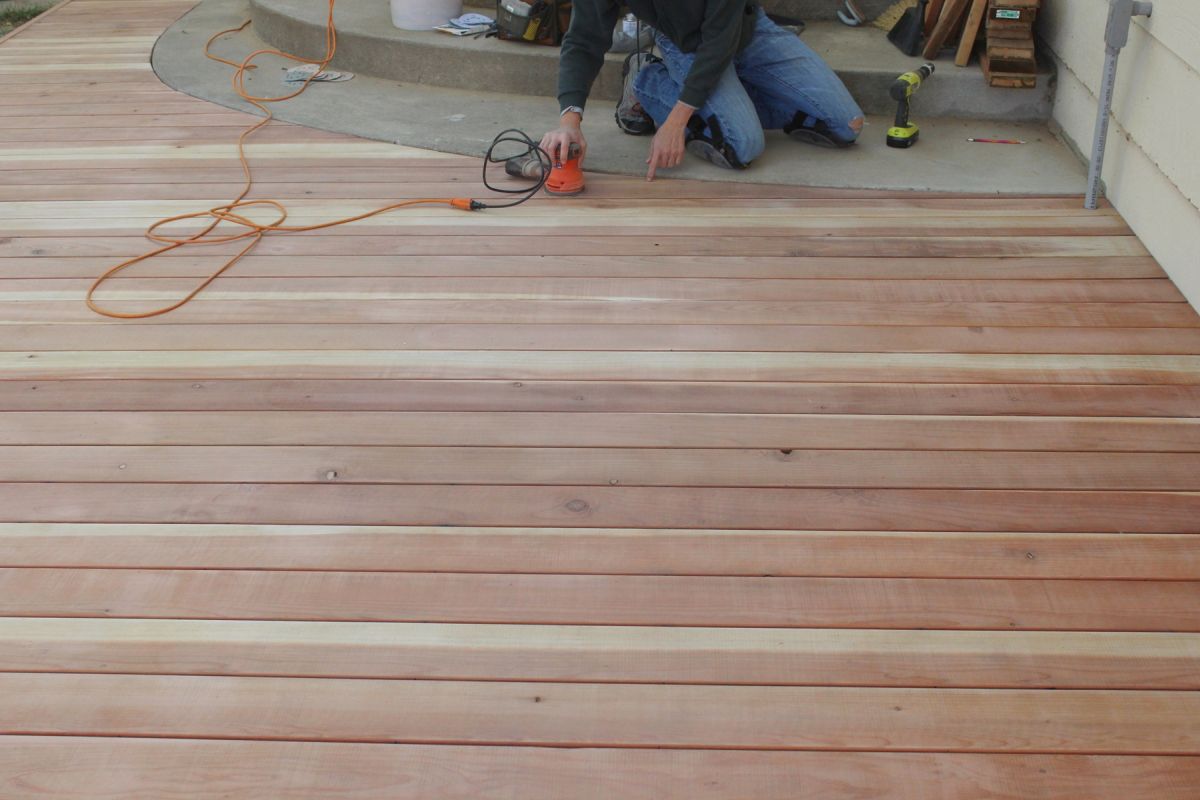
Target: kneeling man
(727, 73)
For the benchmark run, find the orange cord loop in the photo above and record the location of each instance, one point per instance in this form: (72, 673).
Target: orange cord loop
(230, 213)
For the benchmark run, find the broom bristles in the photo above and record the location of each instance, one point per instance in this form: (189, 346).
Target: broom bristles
(891, 15)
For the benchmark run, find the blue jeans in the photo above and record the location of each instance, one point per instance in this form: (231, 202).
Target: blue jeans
(776, 76)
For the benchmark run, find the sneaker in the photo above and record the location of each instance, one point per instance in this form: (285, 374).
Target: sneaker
(702, 146)
(817, 133)
(631, 117)
(709, 152)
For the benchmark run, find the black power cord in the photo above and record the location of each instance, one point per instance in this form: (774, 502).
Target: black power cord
(531, 149)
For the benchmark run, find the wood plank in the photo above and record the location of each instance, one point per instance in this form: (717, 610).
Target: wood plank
(696, 601)
(376, 289)
(1033, 400)
(550, 714)
(663, 312)
(517, 336)
(79, 241)
(326, 173)
(836, 235)
(932, 12)
(730, 656)
(600, 429)
(604, 365)
(766, 212)
(604, 551)
(798, 268)
(601, 466)
(970, 33)
(74, 768)
(607, 506)
(946, 21)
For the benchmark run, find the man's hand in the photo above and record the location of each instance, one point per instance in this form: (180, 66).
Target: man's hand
(670, 143)
(557, 143)
(667, 149)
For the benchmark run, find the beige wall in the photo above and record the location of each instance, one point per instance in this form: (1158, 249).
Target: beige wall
(1152, 166)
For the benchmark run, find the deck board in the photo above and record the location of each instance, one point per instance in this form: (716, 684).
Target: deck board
(764, 491)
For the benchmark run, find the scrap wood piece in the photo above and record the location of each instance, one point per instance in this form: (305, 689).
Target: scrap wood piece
(970, 32)
(931, 15)
(951, 14)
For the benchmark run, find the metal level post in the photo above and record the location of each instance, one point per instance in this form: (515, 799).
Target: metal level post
(1116, 34)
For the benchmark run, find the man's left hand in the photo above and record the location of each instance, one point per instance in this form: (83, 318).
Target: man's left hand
(667, 149)
(670, 143)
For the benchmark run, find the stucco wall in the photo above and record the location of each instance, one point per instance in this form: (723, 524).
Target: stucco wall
(1152, 167)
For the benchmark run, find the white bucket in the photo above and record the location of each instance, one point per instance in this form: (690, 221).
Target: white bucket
(421, 15)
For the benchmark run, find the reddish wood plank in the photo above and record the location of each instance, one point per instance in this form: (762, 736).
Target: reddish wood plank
(605, 714)
(832, 509)
(605, 551)
(591, 396)
(598, 429)
(762, 602)
(75, 768)
(601, 466)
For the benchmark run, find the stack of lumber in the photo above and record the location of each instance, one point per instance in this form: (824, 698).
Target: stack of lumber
(1008, 59)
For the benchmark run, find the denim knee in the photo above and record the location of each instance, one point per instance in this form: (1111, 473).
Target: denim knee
(654, 89)
(853, 129)
(747, 141)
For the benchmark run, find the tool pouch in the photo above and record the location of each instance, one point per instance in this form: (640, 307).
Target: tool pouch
(538, 21)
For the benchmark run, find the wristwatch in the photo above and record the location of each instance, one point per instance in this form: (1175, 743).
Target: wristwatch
(576, 109)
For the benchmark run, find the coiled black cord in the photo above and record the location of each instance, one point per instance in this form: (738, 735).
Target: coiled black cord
(531, 148)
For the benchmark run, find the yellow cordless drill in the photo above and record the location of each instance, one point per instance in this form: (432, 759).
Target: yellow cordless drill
(903, 133)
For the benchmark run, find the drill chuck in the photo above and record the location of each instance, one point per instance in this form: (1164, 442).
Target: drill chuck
(909, 82)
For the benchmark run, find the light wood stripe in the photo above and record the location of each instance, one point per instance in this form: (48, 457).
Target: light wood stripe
(632, 289)
(995, 270)
(731, 656)
(517, 336)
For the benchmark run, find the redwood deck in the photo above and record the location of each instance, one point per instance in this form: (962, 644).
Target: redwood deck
(849, 496)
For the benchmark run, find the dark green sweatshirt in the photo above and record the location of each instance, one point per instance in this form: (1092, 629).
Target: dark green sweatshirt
(715, 30)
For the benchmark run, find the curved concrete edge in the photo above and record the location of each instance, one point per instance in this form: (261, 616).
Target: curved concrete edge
(862, 57)
(369, 44)
(464, 122)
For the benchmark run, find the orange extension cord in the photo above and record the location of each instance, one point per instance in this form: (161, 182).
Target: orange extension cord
(254, 231)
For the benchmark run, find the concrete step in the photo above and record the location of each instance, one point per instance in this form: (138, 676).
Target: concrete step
(464, 121)
(369, 44)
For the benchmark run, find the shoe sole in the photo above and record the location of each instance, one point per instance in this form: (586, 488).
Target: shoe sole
(809, 136)
(705, 150)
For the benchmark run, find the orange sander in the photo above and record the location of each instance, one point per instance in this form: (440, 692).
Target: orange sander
(564, 179)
